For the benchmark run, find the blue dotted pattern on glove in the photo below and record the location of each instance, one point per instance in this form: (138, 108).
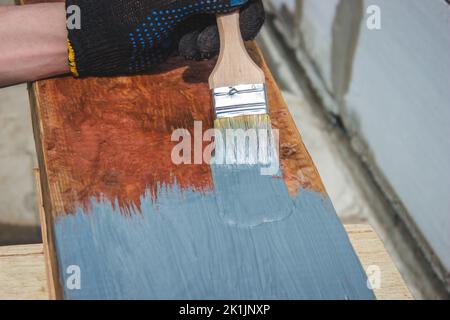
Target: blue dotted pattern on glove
(157, 26)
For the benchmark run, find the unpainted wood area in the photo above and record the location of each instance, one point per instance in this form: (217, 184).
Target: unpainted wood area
(22, 273)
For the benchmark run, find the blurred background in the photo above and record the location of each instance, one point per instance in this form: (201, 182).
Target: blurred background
(19, 220)
(367, 83)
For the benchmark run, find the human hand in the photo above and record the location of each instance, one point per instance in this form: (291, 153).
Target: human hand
(132, 36)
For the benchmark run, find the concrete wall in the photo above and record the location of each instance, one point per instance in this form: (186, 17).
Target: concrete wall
(399, 101)
(19, 221)
(391, 89)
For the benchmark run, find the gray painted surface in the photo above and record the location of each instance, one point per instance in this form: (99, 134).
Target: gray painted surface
(181, 247)
(242, 188)
(246, 238)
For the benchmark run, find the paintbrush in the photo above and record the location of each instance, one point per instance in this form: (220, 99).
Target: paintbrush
(246, 156)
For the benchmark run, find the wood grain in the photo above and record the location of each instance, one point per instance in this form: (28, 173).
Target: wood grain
(371, 252)
(50, 272)
(22, 273)
(21, 265)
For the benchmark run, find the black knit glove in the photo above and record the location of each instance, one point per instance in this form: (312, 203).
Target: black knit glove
(131, 36)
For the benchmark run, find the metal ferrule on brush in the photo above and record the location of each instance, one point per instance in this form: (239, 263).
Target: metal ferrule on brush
(240, 100)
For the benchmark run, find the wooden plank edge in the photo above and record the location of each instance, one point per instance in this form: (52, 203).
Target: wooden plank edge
(375, 259)
(44, 201)
(21, 250)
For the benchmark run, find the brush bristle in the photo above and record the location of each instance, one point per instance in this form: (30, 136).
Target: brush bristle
(244, 122)
(247, 140)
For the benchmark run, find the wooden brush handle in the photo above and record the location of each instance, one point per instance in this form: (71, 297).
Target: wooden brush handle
(234, 65)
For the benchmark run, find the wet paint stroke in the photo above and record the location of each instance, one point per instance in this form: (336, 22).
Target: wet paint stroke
(181, 247)
(246, 198)
(248, 183)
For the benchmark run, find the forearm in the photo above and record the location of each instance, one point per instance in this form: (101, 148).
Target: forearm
(32, 42)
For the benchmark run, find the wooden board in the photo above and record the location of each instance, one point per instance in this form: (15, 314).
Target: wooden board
(22, 273)
(136, 225)
(25, 265)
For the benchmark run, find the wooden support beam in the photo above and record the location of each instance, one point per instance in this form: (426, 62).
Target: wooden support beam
(137, 225)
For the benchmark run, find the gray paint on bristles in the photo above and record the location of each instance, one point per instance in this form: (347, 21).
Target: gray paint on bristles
(244, 155)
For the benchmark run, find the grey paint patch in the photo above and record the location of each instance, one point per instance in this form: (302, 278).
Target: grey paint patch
(240, 205)
(246, 195)
(248, 183)
(181, 248)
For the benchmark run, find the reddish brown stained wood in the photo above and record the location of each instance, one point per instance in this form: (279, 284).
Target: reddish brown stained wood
(112, 136)
(298, 168)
